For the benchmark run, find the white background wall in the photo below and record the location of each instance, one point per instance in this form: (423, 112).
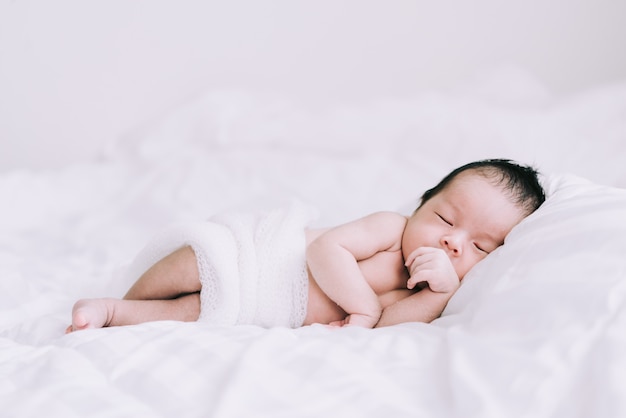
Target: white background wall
(75, 74)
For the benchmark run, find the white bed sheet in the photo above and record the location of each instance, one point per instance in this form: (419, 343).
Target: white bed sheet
(536, 330)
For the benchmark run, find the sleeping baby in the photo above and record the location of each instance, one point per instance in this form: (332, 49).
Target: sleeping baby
(267, 268)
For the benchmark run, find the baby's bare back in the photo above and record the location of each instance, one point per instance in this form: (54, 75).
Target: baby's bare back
(384, 271)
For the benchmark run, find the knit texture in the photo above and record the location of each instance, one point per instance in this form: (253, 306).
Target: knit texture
(252, 264)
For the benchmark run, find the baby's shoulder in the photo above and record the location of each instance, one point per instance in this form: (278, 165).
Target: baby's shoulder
(387, 228)
(387, 218)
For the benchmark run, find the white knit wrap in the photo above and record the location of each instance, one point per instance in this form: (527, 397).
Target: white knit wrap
(252, 264)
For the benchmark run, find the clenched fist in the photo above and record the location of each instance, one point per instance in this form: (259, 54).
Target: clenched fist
(432, 265)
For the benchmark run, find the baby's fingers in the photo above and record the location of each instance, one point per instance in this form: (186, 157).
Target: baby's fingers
(411, 283)
(416, 253)
(420, 275)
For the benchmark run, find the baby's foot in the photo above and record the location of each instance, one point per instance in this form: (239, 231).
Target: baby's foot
(91, 313)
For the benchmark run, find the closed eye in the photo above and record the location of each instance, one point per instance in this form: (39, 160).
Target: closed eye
(479, 248)
(444, 219)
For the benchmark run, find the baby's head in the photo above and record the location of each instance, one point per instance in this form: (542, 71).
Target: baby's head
(519, 182)
(471, 211)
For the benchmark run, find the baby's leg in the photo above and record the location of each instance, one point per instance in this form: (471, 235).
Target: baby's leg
(173, 276)
(170, 289)
(98, 313)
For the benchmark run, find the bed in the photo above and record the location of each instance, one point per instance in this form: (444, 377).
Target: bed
(536, 330)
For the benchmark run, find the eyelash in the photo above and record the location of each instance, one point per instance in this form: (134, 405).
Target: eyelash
(444, 219)
(480, 249)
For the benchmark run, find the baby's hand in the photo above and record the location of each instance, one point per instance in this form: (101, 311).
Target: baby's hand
(431, 265)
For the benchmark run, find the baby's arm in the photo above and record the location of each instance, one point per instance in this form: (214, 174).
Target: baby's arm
(333, 260)
(426, 265)
(423, 306)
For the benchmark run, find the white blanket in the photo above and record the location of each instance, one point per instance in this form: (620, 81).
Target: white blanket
(251, 263)
(536, 330)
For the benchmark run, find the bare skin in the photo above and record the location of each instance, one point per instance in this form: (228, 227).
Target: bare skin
(379, 270)
(168, 290)
(142, 303)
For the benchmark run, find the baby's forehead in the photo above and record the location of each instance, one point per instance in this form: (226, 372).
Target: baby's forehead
(471, 183)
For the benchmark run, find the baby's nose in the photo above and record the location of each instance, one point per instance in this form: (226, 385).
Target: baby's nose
(452, 244)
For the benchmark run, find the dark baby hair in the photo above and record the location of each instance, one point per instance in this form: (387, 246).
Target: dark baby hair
(521, 181)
